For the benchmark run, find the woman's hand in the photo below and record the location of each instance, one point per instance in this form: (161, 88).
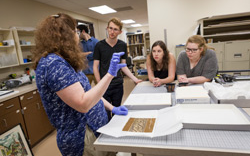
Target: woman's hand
(183, 79)
(114, 63)
(121, 110)
(157, 82)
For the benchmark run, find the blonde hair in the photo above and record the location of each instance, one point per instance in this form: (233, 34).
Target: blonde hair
(200, 41)
(116, 21)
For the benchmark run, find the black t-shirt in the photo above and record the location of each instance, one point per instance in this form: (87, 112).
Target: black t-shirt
(162, 74)
(103, 52)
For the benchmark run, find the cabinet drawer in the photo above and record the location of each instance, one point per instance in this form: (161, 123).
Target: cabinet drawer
(219, 50)
(10, 120)
(220, 65)
(9, 106)
(243, 65)
(237, 51)
(29, 97)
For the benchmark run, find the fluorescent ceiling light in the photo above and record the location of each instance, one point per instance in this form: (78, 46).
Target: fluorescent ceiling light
(136, 25)
(104, 9)
(128, 21)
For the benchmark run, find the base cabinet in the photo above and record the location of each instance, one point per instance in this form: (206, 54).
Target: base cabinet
(27, 110)
(11, 115)
(36, 120)
(11, 119)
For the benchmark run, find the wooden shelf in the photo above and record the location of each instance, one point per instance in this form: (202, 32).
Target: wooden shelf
(23, 49)
(11, 46)
(226, 27)
(136, 44)
(228, 34)
(14, 65)
(31, 45)
(230, 24)
(8, 54)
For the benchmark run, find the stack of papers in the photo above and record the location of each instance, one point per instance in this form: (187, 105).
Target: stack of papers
(192, 95)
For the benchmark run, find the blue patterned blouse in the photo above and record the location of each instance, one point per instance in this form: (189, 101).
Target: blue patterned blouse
(53, 74)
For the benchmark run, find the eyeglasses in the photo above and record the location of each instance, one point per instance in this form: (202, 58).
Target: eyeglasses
(192, 50)
(78, 32)
(114, 29)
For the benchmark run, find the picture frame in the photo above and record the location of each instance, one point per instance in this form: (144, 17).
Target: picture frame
(14, 142)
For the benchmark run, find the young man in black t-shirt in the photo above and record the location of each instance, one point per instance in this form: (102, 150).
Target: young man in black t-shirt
(104, 50)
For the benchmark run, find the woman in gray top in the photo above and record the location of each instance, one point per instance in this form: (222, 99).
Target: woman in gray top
(198, 63)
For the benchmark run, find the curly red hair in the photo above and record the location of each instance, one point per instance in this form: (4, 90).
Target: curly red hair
(57, 34)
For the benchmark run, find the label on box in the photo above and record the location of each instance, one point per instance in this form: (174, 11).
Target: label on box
(193, 101)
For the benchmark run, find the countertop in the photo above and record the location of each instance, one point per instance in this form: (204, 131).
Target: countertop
(19, 91)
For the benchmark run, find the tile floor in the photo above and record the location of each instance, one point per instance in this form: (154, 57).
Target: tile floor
(48, 147)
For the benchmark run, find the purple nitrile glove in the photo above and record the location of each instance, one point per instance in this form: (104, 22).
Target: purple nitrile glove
(122, 110)
(114, 63)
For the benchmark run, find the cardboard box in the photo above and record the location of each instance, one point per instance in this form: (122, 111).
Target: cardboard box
(192, 95)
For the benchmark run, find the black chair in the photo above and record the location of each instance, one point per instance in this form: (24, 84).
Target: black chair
(130, 64)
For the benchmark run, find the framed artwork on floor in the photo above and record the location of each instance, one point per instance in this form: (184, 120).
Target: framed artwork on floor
(14, 143)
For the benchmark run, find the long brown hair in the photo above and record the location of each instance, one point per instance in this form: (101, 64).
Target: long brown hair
(56, 34)
(165, 59)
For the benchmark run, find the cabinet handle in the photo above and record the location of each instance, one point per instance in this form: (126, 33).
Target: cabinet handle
(9, 106)
(30, 98)
(237, 55)
(38, 105)
(1, 104)
(21, 98)
(5, 122)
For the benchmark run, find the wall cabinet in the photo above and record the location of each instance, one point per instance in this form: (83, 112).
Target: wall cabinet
(138, 44)
(226, 27)
(25, 41)
(8, 54)
(28, 110)
(17, 51)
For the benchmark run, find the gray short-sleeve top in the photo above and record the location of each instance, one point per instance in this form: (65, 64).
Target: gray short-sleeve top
(207, 66)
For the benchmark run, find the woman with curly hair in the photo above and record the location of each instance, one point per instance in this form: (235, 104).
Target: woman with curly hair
(72, 106)
(161, 64)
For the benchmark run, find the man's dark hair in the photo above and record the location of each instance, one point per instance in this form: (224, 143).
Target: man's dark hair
(83, 27)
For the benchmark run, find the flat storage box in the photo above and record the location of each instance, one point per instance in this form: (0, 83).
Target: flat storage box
(148, 101)
(191, 95)
(241, 102)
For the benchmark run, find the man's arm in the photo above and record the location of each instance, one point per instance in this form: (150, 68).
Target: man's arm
(96, 70)
(129, 74)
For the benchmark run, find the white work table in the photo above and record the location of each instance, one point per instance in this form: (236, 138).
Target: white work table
(188, 142)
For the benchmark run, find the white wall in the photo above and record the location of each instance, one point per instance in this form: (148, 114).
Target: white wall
(29, 13)
(179, 17)
(143, 29)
